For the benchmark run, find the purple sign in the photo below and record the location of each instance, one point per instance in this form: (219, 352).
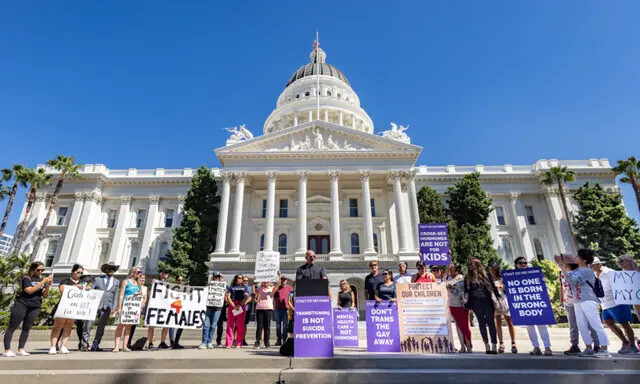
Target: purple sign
(312, 327)
(528, 297)
(434, 244)
(383, 332)
(345, 328)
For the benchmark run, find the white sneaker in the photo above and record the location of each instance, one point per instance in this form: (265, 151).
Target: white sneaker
(64, 350)
(53, 351)
(9, 353)
(202, 346)
(22, 352)
(210, 346)
(602, 353)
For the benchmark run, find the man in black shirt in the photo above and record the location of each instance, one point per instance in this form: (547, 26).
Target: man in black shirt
(310, 270)
(372, 280)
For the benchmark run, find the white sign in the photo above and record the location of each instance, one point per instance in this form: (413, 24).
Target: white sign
(131, 309)
(176, 306)
(78, 304)
(626, 287)
(217, 290)
(267, 266)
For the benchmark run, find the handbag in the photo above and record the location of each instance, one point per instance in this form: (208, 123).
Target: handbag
(500, 306)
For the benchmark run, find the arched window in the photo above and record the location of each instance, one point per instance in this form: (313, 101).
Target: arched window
(134, 254)
(51, 253)
(507, 249)
(162, 251)
(282, 244)
(104, 252)
(375, 242)
(355, 244)
(538, 248)
(328, 93)
(307, 94)
(262, 242)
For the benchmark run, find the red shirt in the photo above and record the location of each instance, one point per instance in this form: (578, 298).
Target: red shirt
(281, 297)
(426, 278)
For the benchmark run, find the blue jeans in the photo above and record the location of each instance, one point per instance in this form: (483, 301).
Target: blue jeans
(210, 324)
(282, 321)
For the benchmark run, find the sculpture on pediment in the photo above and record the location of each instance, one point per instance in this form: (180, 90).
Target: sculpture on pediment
(316, 144)
(397, 133)
(238, 134)
(332, 145)
(318, 141)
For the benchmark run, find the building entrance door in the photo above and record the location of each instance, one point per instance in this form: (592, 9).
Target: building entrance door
(320, 244)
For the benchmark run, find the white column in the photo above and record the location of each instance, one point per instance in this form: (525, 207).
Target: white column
(326, 115)
(149, 225)
(368, 223)
(413, 202)
(271, 210)
(82, 245)
(335, 214)
(383, 239)
(179, 212)
(311, 115)
(353, 121)
(118, 244)
(72, 228)
(237, 213)
(340, 119)
(295, 119)
(302, 212)
(396, 176)
(556, 217)
(517, 211)
(221, 236)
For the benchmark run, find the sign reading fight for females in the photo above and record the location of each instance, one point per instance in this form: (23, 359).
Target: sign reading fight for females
(131, 309)
(267, 266)
(176, 306)
(313, 336)
(528, 297)
(217, 290)
(626, 287)
(78, 304)
(383, 334)
(434, 244)
(345, 328)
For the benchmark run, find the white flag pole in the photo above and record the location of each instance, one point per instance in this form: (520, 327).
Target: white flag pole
(317, 77)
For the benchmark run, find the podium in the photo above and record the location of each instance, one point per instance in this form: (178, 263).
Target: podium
(313, 319)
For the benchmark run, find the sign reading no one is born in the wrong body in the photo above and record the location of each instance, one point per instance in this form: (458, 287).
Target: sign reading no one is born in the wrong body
(78, 304)
(434, 244)
(528, 297)
(176, 306)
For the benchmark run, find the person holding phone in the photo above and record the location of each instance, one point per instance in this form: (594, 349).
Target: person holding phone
(27, 307)
(62, 327)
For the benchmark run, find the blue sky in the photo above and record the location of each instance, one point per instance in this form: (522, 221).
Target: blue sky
(152, 84)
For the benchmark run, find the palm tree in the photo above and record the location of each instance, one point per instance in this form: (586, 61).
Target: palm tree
(559, 176)
(68, 170)
(17, 174)
(36, 178)
(630, 168)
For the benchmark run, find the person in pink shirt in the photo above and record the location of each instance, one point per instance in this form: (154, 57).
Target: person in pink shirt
(264, 311)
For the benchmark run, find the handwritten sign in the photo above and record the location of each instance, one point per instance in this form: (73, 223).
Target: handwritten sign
(78, 304)
(626, 287)
(176, 306)
(434, 244)
(528, 297)
(131, 309)
(267, 266)
(217, 290)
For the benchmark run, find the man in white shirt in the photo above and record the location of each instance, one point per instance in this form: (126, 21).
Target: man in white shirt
(402, 277)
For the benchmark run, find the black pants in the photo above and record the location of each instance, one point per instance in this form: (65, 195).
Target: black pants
(20, 313)
(484, 311)
(263, 322)
(221, 320)
(103, 317)
(133, 330)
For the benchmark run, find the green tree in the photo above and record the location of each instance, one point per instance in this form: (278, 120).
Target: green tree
(12, 269)
(17, 174)
(36, 178)
(630, 168)
(195, 239)
(431, 210)
(469, 207)
(558, 176)
(603, 224)
(68, 170)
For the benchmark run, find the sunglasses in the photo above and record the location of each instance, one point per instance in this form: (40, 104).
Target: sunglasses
(522, 263)
(373, 265)
(385, 274)
(40, 270)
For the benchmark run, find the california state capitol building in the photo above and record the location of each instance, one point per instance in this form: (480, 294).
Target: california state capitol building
(321, 177)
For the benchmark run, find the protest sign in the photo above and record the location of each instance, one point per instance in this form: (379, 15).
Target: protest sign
(345, 327)
(528, 297)
(217, 290)
(383, 334)
(267, 266)
(176, 306)
(131, 309)
(424, 318)
(434, 244)
(78, 304)
(626, 287)
(313, 336)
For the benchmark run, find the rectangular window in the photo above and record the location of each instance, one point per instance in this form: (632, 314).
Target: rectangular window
(168, 218)
(264, 208)
(284, 208)
(500, 215)
(353, 207)
(62, 214)
(373, 208)
(111, 219)
(529, 212)
(140, 218)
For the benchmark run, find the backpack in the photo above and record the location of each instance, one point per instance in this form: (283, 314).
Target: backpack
(597, 288)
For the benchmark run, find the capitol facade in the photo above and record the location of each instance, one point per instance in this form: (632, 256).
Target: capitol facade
(320, 177)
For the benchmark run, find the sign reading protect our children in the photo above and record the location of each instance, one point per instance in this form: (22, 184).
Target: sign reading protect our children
(528, 297)
(176, 306)
(625, 286)
(78, 304)
(383, 334)
(434, 244)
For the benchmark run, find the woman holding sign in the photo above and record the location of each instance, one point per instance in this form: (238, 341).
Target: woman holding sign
(131, 286)
(455, 287)
(62, 327)
(264, 311)
(237, 297)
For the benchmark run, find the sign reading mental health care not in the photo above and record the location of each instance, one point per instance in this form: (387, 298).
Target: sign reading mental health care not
(176, 306)
(215, 297)
(434, 244)
(313, 330)
(78, 304)
(131, 309)
(528, 297)
(267, 266)
(423, 314)
(626, 287)
(345, 327)
(383, 334)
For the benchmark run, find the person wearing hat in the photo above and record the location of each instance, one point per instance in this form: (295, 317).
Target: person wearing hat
(108, 304)
(211, 319)
(612, 313)
(628, 263)
(438, 272)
